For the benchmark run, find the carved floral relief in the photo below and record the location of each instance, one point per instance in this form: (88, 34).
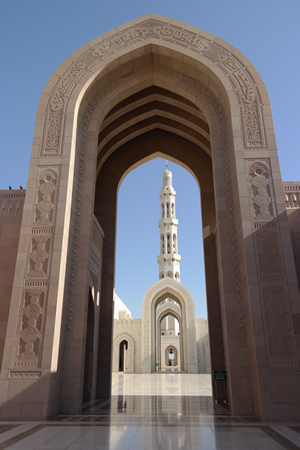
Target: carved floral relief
(261, 191)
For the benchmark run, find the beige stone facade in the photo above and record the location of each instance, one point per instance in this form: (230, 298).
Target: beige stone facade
(193, 335)
(153, 86)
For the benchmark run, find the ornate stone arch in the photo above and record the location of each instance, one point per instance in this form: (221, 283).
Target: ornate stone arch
(130, 350)
(168, 288)
(234, 108)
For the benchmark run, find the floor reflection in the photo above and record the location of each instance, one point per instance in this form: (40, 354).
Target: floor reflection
(152, 412)
(156, 395)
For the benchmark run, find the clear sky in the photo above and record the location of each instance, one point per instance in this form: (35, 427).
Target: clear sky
(37, 36)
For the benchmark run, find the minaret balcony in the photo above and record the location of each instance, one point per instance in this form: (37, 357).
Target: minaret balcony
(173, 257)
(168, 221)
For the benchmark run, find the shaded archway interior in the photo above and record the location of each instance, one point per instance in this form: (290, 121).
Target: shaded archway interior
(150, 122)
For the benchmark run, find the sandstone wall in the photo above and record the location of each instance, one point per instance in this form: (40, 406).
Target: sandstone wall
(11, 209)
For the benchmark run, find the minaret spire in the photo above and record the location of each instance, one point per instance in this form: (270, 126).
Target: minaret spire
(168, 260)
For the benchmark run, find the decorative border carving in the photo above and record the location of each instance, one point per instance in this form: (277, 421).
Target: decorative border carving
(79, 198)
(251, 112)
(284, 373)
(33, 374)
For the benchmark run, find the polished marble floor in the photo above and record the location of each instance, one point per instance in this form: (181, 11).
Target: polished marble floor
(164, 411)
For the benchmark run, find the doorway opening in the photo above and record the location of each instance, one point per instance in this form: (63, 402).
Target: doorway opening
(123, 356)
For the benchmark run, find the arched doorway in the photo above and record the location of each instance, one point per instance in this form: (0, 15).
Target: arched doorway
(123, 347)
(123, 354)
(119, 101)
(171, 356)
(169, 308)
(182, 309)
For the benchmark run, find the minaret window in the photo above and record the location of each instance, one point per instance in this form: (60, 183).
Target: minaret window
(168, 243)
(168, 209)
(162, 244)
(177, 278)
(173, 210)
(162, 210)
(174, 243)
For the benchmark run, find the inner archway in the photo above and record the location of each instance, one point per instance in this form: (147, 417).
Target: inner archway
(171, 356)
(123, 347)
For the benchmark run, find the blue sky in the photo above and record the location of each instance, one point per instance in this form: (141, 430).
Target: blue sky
(36, 36)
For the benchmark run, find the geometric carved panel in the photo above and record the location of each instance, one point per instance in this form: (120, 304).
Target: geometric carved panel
(44, 209)
(279, 328)
(31, 328)
(269, 253)
(39, 257)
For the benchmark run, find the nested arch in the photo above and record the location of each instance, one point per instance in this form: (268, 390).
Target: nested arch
(130, 352)
(171, 347)
(168, 288)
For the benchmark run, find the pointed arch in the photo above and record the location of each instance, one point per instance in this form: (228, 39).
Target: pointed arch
(168, 288)
(130, 353)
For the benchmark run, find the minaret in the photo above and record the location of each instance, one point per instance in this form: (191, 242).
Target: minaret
(168, 260)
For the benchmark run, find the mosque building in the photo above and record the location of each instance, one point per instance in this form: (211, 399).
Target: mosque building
(127, 354)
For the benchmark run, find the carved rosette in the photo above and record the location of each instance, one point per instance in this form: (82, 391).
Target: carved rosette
(54, 122)
(39, 257)
(44, 209)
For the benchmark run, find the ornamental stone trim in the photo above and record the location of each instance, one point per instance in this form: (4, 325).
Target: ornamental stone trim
(32, 374)
(157, 31)
(31, 328)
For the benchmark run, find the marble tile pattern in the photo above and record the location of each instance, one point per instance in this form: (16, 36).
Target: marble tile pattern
(149, 412)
